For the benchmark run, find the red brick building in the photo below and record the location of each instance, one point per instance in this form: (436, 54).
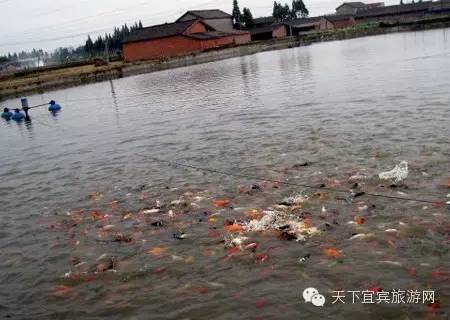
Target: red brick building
(336, 22)
(180, 38)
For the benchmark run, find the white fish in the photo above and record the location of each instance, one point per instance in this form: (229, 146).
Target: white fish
(177, 258)
(398, 174)
(391, 230)
(361, 236)
(392, 263)
(151, 211)
(108, 227)
(358, 176)
(216, 284)
(103, 256)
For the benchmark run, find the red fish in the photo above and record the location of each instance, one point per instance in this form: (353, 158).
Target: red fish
(222, 203)
(261, 258)
(62, 290)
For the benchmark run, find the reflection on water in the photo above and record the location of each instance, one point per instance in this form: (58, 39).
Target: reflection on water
(348, 108)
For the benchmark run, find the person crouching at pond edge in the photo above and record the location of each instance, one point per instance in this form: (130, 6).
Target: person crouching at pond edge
(18, 116)
(54, 107)
(7, 115)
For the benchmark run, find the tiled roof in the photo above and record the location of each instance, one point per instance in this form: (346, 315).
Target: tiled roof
(394, 10)
(264, 20)
(302, 21)
(265, 29)
(207, 14)
(159, 31)
(335, 17)
(357, 5)
(212, 35)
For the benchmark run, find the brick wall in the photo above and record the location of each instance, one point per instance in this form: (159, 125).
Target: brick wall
(158, 48)
(279, 32)
(177, 45)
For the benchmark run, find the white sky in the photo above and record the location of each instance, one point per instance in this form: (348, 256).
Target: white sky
(48, 24)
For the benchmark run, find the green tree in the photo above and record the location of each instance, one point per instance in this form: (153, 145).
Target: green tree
(299, 9)
(237, 16)
(89, 46)
(281, 12)
(247, 18)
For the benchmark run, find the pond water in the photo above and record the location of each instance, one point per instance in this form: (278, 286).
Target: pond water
(82, 192)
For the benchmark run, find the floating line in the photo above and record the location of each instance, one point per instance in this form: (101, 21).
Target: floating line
(239, 175)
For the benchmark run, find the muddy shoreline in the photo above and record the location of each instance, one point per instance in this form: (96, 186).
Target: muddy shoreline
(15, 86)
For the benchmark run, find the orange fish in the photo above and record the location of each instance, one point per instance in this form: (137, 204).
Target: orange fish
(253, 214)
(157, 251)
(360, 221)
(223, 203)
(203, 290)
(160, 270)
(308, 223)
(97, 215)
(333, 253)
(62, 290)
(234, 228)
(434, 305)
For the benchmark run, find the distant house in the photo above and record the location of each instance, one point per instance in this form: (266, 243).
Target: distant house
(336, 22)
(303, 25)
(274, 31)
(264, 21)
(396, 12)
(351, 8)
(178, 38)
(440, 6)
(219, 20)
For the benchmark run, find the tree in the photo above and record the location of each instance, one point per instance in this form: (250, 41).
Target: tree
(276, 10)
(237, 17)
(99, 45)
(140, 24)
(247, 18)
(281, 12)
(89, 46)
(299, 9)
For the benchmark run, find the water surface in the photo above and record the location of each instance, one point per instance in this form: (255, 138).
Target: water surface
(348, 108)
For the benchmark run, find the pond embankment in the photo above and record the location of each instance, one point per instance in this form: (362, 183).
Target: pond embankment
(15, 85)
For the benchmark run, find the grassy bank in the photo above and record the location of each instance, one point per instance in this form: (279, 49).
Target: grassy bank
(21, 83)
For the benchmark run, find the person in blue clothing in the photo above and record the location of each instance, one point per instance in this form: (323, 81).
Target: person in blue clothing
(18, 116)
(54, 107)
(7, 115)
